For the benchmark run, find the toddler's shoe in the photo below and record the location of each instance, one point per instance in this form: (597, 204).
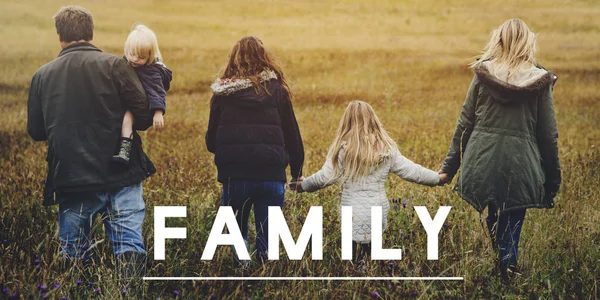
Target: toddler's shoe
(124, 151)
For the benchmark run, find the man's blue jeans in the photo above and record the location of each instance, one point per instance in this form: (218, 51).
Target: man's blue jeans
(242, 194)
(122, 212)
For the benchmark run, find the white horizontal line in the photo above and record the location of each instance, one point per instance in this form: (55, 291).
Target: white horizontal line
(301, 278)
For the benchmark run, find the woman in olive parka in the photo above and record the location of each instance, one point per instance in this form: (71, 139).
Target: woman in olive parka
(505, 142)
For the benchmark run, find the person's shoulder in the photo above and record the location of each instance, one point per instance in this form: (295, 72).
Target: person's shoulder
(100, 55)
(161, 69)
(151, 69)
(56, 63)
(551, 74)
(159, 65)
(275, 82)
(275, 87)
(109, 61)
(41, 71)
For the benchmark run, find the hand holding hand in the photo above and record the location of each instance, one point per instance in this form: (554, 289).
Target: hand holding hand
(444, 178)
(295, 184)
(158, 121)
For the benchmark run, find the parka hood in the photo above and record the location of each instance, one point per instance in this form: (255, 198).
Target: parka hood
(519, 87)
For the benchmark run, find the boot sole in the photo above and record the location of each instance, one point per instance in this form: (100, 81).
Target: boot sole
(119, 160)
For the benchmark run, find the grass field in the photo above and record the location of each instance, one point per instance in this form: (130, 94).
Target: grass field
(407, 58)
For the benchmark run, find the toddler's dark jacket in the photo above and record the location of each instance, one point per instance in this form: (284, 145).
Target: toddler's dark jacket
(156, 79)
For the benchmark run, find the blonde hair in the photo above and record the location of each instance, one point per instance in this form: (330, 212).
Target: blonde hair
(364, 140)
(142, 43)
(511, 46)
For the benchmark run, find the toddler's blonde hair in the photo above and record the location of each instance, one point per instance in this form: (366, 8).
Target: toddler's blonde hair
(142, 43)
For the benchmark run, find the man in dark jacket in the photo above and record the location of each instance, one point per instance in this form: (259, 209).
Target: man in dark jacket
(77, 103)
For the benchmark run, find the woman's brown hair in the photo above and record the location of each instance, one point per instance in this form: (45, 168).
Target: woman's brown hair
(248, 59)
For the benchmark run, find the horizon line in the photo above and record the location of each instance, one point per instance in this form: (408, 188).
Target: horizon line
(259, 278)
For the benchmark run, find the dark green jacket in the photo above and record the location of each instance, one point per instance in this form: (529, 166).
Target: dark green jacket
(77, 103)
(505, 144)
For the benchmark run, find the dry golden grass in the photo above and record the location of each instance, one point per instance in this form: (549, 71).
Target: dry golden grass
(406, 58)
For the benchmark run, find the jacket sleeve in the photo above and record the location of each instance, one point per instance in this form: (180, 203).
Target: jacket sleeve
(323, 178)
(462, 133)
(132, 94)
(35, 118)
(412, 172)
(291, 134)
(157, 94)
(213, 124)
(547, 138)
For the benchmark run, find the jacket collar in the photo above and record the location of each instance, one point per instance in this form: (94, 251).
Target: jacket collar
(83, 46)
(229, 86)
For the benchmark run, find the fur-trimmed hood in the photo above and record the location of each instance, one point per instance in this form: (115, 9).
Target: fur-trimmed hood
(520, 86)
(223, 87)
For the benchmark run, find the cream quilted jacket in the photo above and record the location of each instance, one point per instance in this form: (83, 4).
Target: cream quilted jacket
(370, 191)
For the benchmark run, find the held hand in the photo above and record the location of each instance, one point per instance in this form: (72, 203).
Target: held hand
(299, 188)
(444, 178)
(294, 184)
(158, 121)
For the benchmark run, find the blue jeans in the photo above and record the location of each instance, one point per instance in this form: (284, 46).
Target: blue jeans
(505, 229)
(242, 194)
(122, 212)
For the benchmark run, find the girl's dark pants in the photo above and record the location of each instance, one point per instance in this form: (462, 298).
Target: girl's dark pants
(361, 251)
(242, 194)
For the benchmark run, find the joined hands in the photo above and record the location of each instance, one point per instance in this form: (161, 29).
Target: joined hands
(295, 184)
(444, 178)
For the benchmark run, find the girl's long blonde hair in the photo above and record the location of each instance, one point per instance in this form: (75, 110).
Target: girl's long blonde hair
(511, 46)
(142, 43)
(364, 140)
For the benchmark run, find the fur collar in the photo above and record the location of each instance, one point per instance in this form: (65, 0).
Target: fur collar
(529, 81)
(228, 86)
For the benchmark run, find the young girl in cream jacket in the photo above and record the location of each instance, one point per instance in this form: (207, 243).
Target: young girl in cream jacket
(361, 157)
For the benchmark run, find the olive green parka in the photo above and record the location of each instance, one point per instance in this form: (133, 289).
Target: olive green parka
(505, 143)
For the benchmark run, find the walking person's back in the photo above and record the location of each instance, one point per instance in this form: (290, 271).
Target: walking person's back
(78, 97)
(254, 135)
(506, 138)
(361, 157)
(77, 102)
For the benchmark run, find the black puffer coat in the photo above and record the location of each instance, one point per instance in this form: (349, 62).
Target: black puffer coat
(254, 135)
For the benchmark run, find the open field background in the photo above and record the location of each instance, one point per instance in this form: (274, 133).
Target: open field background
(407, 58)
